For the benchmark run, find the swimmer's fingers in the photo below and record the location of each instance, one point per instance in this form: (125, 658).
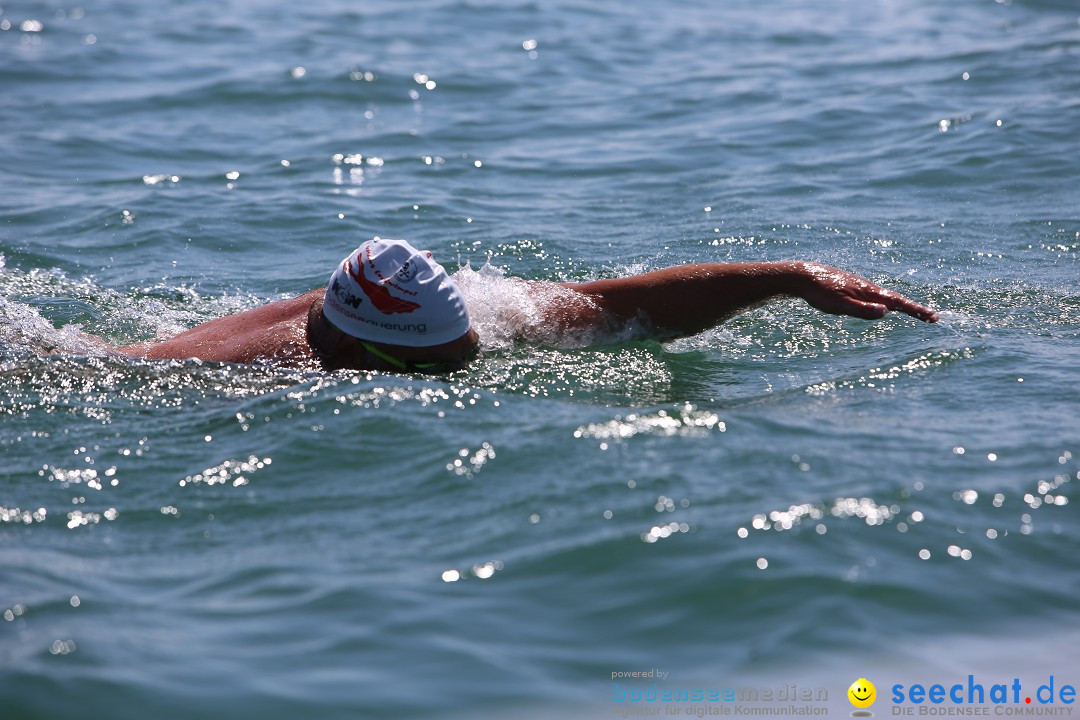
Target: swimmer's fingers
(890, 300)
(872, 301)
(842, 293)
(860, 309)
(914, 309)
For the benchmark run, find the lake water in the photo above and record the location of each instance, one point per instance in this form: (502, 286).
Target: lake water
(789, 499)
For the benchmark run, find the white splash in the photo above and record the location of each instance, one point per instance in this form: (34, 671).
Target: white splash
(505, 309)
(22, 328)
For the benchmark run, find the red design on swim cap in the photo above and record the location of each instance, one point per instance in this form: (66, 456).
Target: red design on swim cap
(380, 297)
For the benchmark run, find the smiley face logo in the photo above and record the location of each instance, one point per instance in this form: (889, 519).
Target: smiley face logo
(862, 693)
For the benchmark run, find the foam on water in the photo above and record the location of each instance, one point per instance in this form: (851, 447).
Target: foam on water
(23, 329)
(506, 310)
(502, 308)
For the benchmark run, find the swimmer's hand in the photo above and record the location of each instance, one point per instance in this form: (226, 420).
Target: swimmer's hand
(841, 293)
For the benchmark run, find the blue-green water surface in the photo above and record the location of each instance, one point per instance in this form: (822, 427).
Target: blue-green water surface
(791, 498)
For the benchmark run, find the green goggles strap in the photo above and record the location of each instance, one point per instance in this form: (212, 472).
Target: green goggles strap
(394, 362)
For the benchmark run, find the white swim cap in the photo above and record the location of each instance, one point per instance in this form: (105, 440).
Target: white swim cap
(387, 291)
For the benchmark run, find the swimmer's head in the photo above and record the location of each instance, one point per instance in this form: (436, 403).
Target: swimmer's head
(389, 292)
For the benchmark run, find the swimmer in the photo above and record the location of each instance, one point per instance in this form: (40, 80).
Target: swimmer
(391, 307)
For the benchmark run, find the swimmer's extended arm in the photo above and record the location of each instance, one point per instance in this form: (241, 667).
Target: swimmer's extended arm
(688, 299)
